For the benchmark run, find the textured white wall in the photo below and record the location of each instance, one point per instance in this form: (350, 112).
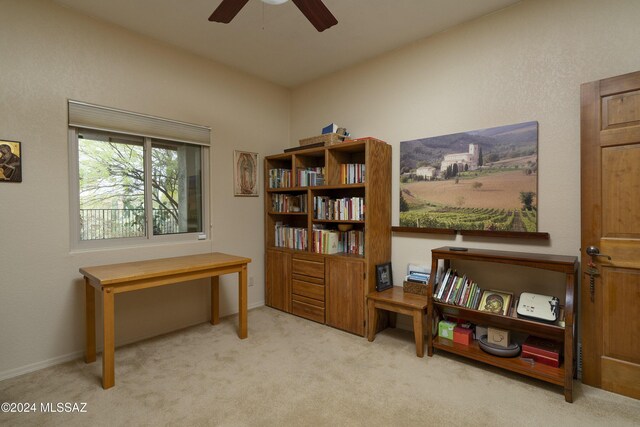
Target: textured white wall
(520, 64)
(49, 54)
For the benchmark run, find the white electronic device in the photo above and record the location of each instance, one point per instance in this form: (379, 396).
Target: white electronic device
(538, 307)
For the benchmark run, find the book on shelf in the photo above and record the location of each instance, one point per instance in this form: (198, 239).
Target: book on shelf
(325, 241)
(418, 277)
(288, 203)
(311, 177)
(352, 242)
(290, 237)
(344, 209)
(279, 178)
(337, 242)
(457, 290)
(352, 173)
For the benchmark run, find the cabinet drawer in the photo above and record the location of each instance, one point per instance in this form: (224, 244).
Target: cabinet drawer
(308, 289)
(308, 311)
(308, 267)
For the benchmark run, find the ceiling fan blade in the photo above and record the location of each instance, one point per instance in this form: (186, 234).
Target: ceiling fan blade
(227, 10)
(317, 13)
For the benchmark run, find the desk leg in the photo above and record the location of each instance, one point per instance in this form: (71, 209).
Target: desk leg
(418, 332)
(242, 302)
(90, 322)
(372, 324)
(215, 300)
(108, 349)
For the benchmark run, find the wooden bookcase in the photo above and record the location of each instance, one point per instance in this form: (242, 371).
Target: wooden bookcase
(329, 289)
(567, 265)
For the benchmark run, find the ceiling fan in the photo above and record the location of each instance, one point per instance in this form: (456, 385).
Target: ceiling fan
(315, 11)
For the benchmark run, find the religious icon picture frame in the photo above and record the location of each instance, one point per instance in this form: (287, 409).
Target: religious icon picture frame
(10, 161)
(245, 174)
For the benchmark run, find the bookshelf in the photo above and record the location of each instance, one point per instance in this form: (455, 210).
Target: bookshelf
(320, 261)
(567, 265)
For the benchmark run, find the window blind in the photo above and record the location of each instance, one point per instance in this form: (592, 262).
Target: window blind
(82, 114)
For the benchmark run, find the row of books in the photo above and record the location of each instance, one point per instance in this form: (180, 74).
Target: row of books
(352, 242)
(326, 241)
(288, 203)
(458, 290)
(346, 209)
(338, 242)
(310, 177)
(351, 173)
(290, 237)
(279, 178)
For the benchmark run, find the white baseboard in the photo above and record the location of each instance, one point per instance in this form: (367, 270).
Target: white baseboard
(11, 373)
(16, 372)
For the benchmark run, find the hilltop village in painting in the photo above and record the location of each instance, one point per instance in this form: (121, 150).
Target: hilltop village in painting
(479, 180)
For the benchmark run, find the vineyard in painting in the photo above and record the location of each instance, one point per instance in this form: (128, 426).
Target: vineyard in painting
(481, 180)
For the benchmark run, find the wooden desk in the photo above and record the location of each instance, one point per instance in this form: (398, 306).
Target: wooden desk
(398, 301)
(132, 276)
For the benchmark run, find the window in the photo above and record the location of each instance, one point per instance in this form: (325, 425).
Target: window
(129, 187)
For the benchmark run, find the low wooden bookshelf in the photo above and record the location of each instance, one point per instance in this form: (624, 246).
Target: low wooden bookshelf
(568, 265)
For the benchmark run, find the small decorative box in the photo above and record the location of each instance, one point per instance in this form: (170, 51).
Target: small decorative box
(327, 139)
(445, 329)
(462, 335)
(415, 288)
(542, 351)
(498, 337)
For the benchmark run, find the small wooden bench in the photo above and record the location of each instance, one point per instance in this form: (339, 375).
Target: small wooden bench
(396, 300)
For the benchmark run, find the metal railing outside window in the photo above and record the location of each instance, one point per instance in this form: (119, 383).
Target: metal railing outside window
(96, 224)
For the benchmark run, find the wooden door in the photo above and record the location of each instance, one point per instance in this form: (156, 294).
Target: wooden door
(278, 280)
(345, 295)
(610, 186)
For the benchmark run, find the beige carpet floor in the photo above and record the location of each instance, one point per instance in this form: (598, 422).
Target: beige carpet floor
(292, 371)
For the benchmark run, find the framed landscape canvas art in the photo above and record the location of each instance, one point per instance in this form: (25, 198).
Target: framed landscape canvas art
(245, 173)
(480, 180)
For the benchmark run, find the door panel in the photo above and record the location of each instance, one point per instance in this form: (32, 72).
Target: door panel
(621, 191)
(278, 280)
(345, 295)
(619, 286)
(610, 213)
(621, 110)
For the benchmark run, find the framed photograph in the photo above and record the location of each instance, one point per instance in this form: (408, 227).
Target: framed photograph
(10, 161)
(245, 173)
(496, 302)
(384, 278)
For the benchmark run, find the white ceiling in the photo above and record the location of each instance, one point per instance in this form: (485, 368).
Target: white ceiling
(277, 43)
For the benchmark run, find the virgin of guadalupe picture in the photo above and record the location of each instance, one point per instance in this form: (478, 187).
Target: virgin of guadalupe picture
(10, 161)
(245, 177)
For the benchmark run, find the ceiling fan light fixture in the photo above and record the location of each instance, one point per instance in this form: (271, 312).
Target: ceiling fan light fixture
(275, 2)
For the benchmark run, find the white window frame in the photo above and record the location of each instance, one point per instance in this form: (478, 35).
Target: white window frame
(149, 239)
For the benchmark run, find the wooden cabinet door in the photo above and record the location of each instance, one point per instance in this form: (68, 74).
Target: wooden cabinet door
(278, 280)
(610, 147)
(344, 283)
